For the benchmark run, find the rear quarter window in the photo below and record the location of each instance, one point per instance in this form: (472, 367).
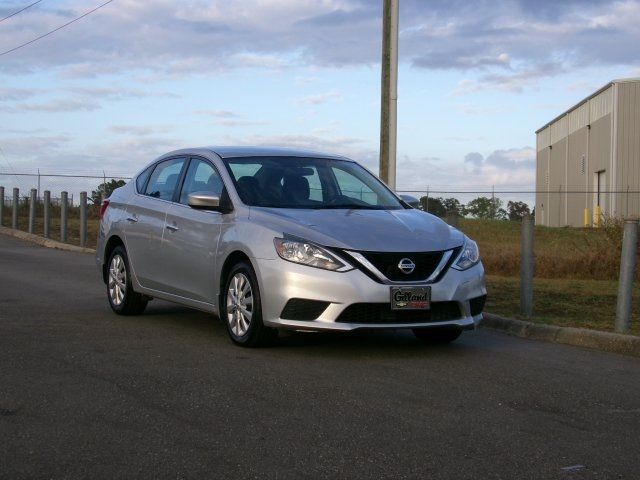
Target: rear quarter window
(142, 179)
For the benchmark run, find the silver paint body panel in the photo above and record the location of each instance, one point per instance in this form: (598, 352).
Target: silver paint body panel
(183, 263)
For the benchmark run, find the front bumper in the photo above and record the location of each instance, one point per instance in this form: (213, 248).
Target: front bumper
(281, 281)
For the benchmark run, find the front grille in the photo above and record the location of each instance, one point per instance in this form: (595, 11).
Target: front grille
(477, 305)
(303, 309)
(380, 313)
(387, 263)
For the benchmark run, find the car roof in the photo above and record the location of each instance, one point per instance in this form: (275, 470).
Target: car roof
(248, 151)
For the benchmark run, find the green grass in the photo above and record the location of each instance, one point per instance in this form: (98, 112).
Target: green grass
(563, 302)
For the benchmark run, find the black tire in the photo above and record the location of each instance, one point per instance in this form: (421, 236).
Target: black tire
(437, 336)
(256, 334)
(128, 302)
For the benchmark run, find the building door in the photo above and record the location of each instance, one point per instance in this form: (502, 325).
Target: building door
(600, 192)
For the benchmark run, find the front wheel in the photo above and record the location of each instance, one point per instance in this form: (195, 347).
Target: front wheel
(437, 336)
(242, 310)
(122, 298)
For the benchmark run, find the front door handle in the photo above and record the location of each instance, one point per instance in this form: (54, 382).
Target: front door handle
(173, 228)
(132, 219)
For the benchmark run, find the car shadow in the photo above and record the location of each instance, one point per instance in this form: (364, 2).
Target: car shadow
(364, 341)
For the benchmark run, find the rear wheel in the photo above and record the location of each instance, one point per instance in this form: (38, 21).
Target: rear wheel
(436, 336)
(122, 298)
(241, 309)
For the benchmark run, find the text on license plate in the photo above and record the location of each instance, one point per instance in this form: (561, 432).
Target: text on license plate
(410, 298)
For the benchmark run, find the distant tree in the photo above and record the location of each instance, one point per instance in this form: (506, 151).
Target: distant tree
(433, 205)
(452, 205)
(105, 189)
(487, 208)
(517, 210)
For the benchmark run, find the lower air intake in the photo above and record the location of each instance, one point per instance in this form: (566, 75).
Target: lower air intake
(303, 309)
(380, 313)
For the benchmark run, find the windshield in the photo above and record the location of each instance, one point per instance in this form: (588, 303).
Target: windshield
(310, 183)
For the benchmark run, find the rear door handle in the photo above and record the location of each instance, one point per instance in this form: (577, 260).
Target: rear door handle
(173, 228)
(132, 219)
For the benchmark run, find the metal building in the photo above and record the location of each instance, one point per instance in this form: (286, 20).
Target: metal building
(588, 159)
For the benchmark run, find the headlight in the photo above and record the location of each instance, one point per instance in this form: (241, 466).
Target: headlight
(300, 251)
(469, 257)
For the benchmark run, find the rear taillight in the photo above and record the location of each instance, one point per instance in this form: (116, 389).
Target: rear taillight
(103, 207)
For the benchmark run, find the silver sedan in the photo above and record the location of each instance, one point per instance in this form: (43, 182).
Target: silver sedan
(269, 239)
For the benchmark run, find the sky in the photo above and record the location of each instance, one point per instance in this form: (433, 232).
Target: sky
(136, 79)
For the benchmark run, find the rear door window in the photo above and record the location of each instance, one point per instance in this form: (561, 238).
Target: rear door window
(164, 179)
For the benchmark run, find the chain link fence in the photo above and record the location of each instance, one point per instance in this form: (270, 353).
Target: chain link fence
(72, 183)
(563, 206)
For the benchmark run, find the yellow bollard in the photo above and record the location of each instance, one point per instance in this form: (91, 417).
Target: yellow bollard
(587, 220)
(597, 216)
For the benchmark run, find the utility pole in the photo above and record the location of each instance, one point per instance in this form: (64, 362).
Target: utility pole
(389, 97)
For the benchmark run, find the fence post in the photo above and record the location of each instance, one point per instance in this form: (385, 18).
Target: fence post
(47, 213)
(526, 266)
(64, 206)
(32, 210)
(14, 208)
(452, 218)
(627, 272)
(83, 219)
(1, 204)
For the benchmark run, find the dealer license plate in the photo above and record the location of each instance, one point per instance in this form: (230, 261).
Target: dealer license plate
(410, 298)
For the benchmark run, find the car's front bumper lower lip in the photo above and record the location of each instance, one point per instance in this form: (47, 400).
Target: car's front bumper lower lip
(281, 281)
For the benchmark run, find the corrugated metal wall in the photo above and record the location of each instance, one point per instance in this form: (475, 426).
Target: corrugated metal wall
(580, 144)
(542, 176)
(599, 146)
(601, 105)
(576, 199)
(557, 183)
(628, 150)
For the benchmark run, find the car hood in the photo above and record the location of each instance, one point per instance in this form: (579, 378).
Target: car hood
(368, 230)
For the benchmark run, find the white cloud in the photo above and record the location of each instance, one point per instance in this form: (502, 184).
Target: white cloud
(217, 113)
(513, 167)
(55, 106)
(239, 123)
(510, 42)
(320, 98)
(139, 129)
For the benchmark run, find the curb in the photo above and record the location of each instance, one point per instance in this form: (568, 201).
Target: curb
(45, 242)
(578, 337)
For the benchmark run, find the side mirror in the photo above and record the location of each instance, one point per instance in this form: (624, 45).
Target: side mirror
(204, 201)
(412, 201)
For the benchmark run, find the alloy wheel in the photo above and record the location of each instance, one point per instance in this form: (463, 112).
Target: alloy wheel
(239, 304)
(117, 280)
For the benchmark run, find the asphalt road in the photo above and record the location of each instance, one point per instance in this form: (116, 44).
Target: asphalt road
(88, 394)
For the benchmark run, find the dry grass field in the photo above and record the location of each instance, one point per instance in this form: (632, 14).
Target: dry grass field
(575, 274)
(573, 253)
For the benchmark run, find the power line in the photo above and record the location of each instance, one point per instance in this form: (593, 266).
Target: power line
(56, 29)
(61, 175)
(21, 10)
